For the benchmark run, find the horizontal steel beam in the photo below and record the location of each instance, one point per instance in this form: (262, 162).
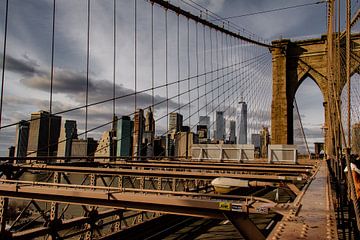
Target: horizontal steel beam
(135, 190)
(187, 206)
(194, 165)
(156, 173)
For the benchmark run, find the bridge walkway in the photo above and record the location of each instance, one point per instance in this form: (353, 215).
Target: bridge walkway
(314, 217)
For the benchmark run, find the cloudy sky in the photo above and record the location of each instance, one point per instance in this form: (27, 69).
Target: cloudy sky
(28, 61)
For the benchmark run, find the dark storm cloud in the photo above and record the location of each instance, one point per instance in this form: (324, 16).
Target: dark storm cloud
(64, 82)
(73, 84)
(24, 66)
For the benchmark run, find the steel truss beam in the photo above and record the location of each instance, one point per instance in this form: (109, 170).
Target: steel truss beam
(236, 208)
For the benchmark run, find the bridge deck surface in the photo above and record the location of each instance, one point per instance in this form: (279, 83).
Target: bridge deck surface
(316, 218)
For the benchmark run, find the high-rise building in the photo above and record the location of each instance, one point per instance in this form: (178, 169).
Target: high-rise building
(264, 141)
(105, 146)
(170, 144)
(175, 122)
(220, 126)
(149, 121)
(124, 136)
(67, 133)
(232, 136)
(43, 134)
(139, 123)
(255, 140)
(183, 143)
(149, 134)
(22, 137)
(241, 123)
(205, 120)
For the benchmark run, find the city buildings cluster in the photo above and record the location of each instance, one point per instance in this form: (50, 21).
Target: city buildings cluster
(47, 135)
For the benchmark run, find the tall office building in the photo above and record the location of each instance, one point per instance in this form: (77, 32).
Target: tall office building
(183, 144)
(68, 132)
(149, 121)
(232, 136)
(175, 122)
(170, 144)
(220, 126)
(149, 134)
(241, 123)
(105, 146)
(205, 120)
(139, 123)
(124, 136)
(256, 140)
(264, 141)
(43, 138)
(22, 137)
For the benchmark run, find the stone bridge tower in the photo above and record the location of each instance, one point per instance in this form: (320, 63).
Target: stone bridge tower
(292, 63)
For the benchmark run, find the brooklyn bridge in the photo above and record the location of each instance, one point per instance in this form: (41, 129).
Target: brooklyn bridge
(154, 119)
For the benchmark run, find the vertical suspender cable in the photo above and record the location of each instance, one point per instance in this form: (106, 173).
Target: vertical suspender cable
(166, 71)
(217, 80)
(49, 143)
(114, 119)
(223, 65)
(348, 78)
(188, 58)
(4, 59)
(228, 76)
(52, 55)
(178, 60)
(114, 62)
(217, 67)
(232, 64)
(205, 78)
(212, 75)
(87, 67)
(197, 69)
(152, 59)
(135, 54)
